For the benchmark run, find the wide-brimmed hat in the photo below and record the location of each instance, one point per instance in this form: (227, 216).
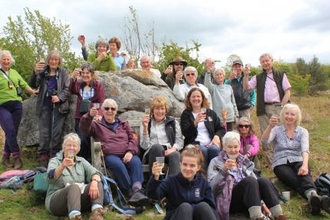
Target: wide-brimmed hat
(237, 62)
(178, 60)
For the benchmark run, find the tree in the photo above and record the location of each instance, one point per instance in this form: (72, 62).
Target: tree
(318, 80)
(31, 38)
(302, 67)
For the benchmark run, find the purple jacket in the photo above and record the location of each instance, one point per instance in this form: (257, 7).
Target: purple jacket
(114, 142)
(250, 140)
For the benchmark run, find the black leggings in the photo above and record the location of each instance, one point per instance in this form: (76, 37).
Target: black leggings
(198, 212)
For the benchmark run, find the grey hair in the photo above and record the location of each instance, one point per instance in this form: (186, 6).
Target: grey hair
(54, 53)
(102, 42)
(297, 110)
(231, 136)
(108, 102)
(88, 66)
(190, 69)
(217, 70)
(7, 52)
(71, 137)
(266, 55)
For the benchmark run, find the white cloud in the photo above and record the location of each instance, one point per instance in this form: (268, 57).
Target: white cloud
(286, 29)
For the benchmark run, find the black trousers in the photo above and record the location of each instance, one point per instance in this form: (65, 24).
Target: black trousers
(198, 212)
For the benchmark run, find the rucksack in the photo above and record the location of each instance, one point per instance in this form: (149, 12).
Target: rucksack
(322, 183)
(14, 179)
(40, 182)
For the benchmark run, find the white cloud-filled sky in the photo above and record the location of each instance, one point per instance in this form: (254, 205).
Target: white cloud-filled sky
(286, 29)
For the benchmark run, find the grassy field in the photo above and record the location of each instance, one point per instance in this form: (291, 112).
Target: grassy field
(24, 204)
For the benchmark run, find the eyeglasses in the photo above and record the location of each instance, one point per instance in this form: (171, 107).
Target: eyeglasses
(190, 74)
(244, 126)
(108, 108)
(178, 64)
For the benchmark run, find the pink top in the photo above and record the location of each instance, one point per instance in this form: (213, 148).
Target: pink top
(250, 140)
(271, 91)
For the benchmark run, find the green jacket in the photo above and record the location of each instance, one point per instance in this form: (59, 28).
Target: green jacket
(105, 65)
(8, 94)
(81, 172)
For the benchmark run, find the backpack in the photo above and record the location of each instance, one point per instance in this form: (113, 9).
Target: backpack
(14, 179)
(108, 198)
(40, 182)
(322, 183)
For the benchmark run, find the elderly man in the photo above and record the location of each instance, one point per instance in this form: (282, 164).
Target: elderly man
(245, 101)
(209, 67)
(145, 63)
(190, 74)
(273, 92)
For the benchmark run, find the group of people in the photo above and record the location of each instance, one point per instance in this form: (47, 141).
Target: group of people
(210, 153)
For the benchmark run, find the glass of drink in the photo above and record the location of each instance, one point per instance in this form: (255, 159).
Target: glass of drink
(203, 111)
(96, 105)
(161, 163)
(147, 111)
(71, 154)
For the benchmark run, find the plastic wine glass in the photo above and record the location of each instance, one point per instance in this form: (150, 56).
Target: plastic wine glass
(147, 111)
(96, 105)
(161, 163)
(203, 111)
(71, 154)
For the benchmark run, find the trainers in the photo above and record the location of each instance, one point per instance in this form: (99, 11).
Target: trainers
(325, 200)
(6, 162)
(98, 214)
(18, 163)
(138, 199)
(315, 203)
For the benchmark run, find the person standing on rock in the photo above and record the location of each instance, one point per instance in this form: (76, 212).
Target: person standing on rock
(52, 104)
(11, 85)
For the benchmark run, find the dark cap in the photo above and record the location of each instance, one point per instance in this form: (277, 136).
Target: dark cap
(237, 62)
(178, 60)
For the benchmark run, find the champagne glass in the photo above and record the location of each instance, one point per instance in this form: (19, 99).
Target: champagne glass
(96, 105)
(161, 163)
(71, 154)
(147, 111)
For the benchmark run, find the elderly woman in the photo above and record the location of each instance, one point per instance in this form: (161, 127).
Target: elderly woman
(52, 104)
(249, 141)
(11, 85)
(199, 127)
(161, 135)
(74, 184)
(235, 186)
(120, 149)
(223, 98)
(178, 64)
(89, 92)
(101, 60)
(291, 155)
(114, 45)
(190, 74)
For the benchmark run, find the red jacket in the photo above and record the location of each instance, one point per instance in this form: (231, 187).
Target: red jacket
(114, 142)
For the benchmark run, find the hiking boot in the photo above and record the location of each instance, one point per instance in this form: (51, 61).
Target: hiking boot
(76, 217)
(98, 214)
(6, 162)
(18, 163)
(325, 200)
(315, 203)
(280, 217)
(138, 199)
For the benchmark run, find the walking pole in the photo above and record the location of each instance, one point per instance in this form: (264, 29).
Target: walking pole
(52, 128)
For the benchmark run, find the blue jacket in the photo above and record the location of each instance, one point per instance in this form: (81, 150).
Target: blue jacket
(178, 190)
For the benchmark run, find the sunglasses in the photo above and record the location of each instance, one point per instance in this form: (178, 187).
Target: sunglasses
(244, 126)
(178, 64)
(190, 74)
(108, 108)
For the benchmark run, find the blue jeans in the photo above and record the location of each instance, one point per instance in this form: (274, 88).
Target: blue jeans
(10, 118)
(125, 174)
(209, 153)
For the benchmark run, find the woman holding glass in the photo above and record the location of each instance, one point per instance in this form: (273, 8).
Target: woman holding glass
(235, 186)
(201, 127)
(90, 92)
(161, 135)
(74, 184)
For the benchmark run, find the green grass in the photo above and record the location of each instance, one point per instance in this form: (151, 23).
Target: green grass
(24, 204)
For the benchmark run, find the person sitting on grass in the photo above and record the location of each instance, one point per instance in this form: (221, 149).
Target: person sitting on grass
(236, 187)
(291, 155)
(74, 184)
(188, 194)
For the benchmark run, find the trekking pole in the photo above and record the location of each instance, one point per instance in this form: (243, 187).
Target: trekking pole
(53, 93)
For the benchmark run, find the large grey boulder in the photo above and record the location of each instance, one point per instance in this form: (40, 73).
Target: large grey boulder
(132, 91)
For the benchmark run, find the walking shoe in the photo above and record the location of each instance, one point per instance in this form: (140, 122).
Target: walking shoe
(18, 163)
(315, 203)
(325, 200)
(77, 217)
(6, 162)
(98, 214)
(138, 199)
(280, 217)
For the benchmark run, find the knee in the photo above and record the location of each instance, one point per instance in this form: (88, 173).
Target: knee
(73, 189)
(157, 149)
(174, 156)
(185, 207)
(251, 181)
(263, 181)
(202, 206)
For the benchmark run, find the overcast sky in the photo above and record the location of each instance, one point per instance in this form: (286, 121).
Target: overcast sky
(287, 29)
